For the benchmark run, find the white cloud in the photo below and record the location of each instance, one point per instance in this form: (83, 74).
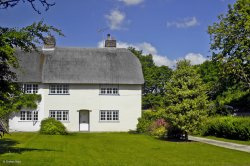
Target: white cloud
(195, 58)
(115, 19)
(185, 23)
(132, 2)
(147, 48)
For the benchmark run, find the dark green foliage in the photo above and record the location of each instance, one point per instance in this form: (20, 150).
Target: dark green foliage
(228, 95)
(228, 127)
(155, 80)
(22, 101)
(186, 100)
(50, 126)
(230, 43)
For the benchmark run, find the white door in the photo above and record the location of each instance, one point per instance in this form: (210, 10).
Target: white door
(84, 120)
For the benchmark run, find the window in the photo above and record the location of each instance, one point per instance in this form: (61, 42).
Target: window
(59, 89)
(29, 115)
(30, 88)
(59, 115)
(109, 115)
(109, 90)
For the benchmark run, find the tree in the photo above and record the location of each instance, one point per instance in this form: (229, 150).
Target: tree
(155, 80)
(26, 39)
(186, 99)
(230, 42)
(227, 95)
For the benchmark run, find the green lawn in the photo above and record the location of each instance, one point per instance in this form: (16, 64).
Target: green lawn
(112, 149)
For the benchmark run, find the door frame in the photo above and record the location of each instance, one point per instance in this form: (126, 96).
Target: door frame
(80, 119)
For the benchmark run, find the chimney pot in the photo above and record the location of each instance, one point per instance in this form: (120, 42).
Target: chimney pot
(109, 42)
(49, 43)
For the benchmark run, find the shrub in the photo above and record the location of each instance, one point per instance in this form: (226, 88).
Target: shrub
(146, 120)
(51, 126)
(228, 127)
(158, 128)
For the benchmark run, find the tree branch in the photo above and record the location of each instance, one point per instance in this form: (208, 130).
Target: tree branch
(4, 4)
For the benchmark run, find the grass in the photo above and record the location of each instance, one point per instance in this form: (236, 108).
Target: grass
(228, 140)
(118, 149)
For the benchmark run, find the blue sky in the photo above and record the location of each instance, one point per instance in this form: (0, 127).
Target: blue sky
(168, 29)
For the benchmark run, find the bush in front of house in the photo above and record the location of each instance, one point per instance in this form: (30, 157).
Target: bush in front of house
(227, 127)
(158, 128)
(50, 126)
(147, 118)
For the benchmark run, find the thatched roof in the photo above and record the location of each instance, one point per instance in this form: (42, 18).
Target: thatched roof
(80, 65)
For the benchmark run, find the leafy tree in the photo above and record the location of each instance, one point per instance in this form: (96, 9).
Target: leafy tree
(26, 39)
(209, 73)
(230, 42)
(155, 80)
(186, 99)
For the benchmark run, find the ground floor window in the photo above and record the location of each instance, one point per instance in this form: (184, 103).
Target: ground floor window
(109, 115)
(61, 115)
(29, 115)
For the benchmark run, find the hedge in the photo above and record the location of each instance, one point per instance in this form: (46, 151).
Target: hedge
(227, 127)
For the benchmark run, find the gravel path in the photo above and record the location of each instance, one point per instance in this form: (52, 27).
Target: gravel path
(229, 145)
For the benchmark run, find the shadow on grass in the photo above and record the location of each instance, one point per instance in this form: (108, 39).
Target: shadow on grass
(175, 140)
(7, 146)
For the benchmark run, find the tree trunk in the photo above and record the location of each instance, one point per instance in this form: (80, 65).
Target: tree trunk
(186, 136)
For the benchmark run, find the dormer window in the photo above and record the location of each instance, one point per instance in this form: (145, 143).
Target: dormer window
(109, 90)
(30, 88)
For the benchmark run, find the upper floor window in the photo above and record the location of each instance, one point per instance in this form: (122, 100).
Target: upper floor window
(59, 89)
(30, 88)
(109, 89)
(29, 115)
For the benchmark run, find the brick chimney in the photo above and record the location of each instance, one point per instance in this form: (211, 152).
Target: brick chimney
(49, 43)
(109, 42)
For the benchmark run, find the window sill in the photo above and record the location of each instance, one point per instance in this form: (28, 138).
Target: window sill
(106, 121)
(29, 121)
(58, 94)
(109, 94)
(64, 121)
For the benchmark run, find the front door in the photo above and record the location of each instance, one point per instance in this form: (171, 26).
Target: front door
(84, 120)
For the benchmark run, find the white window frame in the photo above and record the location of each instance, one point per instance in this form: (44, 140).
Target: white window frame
(60, 115)
(109, 90)
(59, 89)
(109, 116)
(30, 88)
(29, 115)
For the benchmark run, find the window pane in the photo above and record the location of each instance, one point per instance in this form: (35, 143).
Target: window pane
(22, 115)
(58, 115)
(29, 115)
(28, 88)
(103, 115)
(35, 115)
(52, 114)
(35, 88)
(103, 90)
(65, 115)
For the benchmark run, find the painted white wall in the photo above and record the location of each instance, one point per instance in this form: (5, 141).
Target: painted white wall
(82, 96)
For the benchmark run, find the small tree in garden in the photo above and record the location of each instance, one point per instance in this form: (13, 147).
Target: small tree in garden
(186, 99)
